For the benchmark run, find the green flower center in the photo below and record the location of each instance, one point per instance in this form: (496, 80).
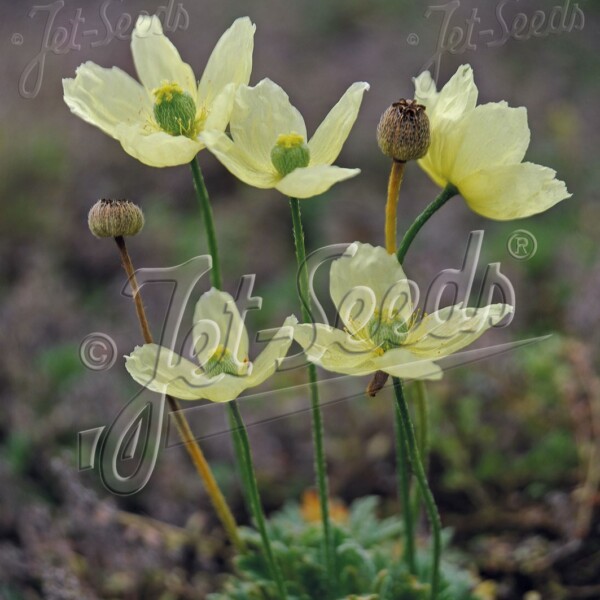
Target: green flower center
(290, 153)
(175, 110)
(223, 361)
(390, 333)
(387, 334)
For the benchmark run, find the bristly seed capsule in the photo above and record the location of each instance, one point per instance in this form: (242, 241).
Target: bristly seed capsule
(115, 218)
(403, 131)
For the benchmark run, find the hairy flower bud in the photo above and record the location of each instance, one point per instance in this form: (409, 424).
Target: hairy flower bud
(403, 131)
(115, 218)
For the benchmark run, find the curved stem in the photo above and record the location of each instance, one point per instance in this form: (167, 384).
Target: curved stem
(209, 223)
(391, 206)
(191, 445)
(403, 474)
(317, 418)
(419, 471)
(448, 192)
(255, 501)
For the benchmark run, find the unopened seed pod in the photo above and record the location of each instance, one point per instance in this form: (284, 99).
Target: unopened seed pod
(115, 218)
(403, 131)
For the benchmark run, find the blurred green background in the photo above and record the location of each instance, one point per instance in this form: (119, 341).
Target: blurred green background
(515, 440)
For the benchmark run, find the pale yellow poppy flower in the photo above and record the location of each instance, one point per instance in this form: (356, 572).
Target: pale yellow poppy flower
(222, 369)
(269, 147)
(382, 331)
(480, 149)
(160, 121)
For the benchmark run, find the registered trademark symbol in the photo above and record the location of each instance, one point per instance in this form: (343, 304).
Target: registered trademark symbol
(16, 39)
(522, 244)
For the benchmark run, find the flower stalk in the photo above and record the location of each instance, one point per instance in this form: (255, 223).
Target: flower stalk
(422, 429)
(417, 449)
(403, 474)
(423, 421)
(391, 207)
(254, 498)
(448, 192)
(419, 471)
(240, 435)
(191, 445)
(209, 223)
(317, 418)
(404, 477)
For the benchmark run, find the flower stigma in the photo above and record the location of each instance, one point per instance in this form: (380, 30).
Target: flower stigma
(175, 110)
(384, 333)
(223, 361)
(387, 333)
(290, 153)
